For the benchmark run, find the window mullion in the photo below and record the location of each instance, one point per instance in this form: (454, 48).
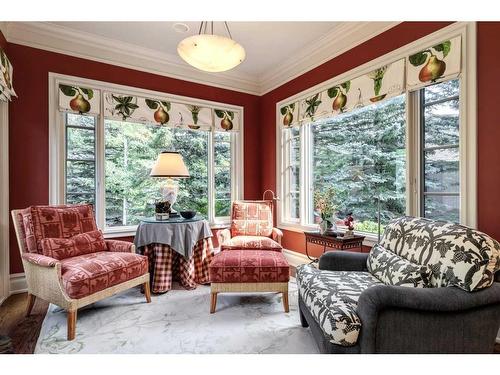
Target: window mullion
(100, 208)
(211, 177)
(305, 136)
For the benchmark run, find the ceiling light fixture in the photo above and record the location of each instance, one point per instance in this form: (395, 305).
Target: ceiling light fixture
(210, 52)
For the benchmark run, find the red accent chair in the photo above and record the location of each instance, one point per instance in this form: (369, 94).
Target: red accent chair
(251, 257)
(68, 262)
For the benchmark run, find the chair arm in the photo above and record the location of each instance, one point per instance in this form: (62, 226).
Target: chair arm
(439, 320)
(443, 299)
(117, 246)
(223, 236)
(343, 261)
(40, 260)
(277, 235)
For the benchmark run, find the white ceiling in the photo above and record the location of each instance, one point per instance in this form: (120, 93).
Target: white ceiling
(267, 44)
(276, 52)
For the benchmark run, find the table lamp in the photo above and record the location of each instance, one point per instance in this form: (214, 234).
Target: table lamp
(169, 164)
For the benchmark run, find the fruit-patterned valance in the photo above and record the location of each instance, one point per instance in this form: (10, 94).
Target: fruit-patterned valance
(83, 100)
(379, 84)
(164, 111)
(7, 71)
(434, 64)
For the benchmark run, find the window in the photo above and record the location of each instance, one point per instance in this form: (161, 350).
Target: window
(362, 155)
(223, 162)
(439, 116)
(106, 162)
(291, 173)
(80, 159)
(131, 150)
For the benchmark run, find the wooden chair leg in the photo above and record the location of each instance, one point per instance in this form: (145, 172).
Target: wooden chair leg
(213, 302)
(147, 292)
(285, 302)
(71, 325)
(30, 304)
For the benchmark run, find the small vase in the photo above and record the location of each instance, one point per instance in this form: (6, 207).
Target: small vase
(349, 233)
(325, 226)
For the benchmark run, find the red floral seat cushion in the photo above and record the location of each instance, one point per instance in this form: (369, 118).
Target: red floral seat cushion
(249, 266)
(251, 242)
(63, 221)
(90, 273)
(85, 243)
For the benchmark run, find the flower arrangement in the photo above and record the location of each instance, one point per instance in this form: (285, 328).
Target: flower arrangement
(349, 223)
(325, 208)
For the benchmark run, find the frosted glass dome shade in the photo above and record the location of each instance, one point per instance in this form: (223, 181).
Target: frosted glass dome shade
(211, 53)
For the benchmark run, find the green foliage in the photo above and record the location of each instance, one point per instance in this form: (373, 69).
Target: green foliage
(312, 105)
(67, 90)
(444, 47)
(419, 58)
(361, 154)
(88, 92)
(124, 105)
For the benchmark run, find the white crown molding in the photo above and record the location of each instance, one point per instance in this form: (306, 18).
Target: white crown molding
(60, 39)
(343, 37)
(67, 41)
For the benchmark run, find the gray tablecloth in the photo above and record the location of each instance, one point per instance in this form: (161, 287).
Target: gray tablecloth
(181, 237)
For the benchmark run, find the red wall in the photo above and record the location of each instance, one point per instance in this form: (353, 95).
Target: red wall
(28, 125)
(488, 132)
(3, 42)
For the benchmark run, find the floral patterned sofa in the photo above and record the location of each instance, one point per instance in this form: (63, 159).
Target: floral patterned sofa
(428, 287)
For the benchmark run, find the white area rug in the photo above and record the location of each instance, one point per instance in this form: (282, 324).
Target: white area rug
(179, 322)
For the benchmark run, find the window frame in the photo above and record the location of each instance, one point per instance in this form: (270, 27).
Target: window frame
(57, 151)
(467, 132)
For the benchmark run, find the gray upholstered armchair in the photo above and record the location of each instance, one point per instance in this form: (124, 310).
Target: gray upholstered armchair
(352, 308)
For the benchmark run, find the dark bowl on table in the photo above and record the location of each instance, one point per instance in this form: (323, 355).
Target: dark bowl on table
(188, 214)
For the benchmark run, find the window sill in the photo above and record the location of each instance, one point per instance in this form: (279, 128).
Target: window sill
(130, 231)
(370, 238)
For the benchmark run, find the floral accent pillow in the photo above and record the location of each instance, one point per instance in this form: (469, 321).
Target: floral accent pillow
(391, 269)
(85, 243)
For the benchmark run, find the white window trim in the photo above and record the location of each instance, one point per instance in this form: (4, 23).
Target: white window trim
(468, 128)
(57, 149)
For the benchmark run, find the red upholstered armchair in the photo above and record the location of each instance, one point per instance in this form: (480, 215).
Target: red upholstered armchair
(251, 227)
(67, 261)
(251, 257)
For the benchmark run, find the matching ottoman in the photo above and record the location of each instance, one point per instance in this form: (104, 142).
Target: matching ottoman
(249, 271)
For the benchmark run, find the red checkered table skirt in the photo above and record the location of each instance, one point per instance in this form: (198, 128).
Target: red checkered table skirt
(166, 265)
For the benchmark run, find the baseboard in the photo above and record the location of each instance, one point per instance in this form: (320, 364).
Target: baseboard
(18, 283)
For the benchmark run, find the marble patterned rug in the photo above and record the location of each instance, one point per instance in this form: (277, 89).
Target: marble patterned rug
(179, 322)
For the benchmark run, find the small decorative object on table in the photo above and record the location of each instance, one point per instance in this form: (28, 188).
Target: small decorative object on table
(349, 223)
(162, 210)
(188, 214)
(325, 208)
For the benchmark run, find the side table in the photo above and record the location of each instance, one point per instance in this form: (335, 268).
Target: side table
(332, 243)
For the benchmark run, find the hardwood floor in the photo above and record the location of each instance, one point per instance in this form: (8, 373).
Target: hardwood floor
(24, 331)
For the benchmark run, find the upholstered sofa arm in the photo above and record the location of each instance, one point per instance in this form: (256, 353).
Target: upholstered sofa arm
(117, 246)
(343, 261)
(40, 260)
(443, 299)
(223, 236)
(277, 235)
(439, 320)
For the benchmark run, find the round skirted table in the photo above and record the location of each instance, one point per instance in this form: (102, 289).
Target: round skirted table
(177, 249)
